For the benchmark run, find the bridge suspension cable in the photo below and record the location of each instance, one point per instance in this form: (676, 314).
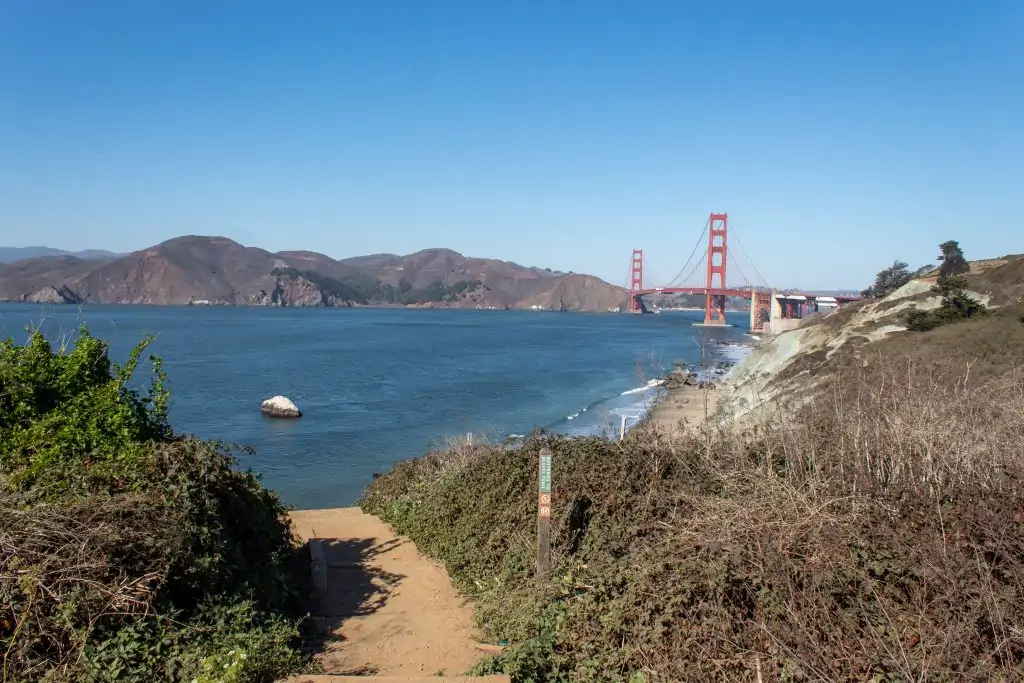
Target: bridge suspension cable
(700, 263)
(735, 262)
(739, 242)
(700, 241)
(650, 273)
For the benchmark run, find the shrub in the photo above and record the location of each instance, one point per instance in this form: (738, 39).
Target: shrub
(62, 411)
(954, 308)
(956, 304)
(128, 552)
(874, 536)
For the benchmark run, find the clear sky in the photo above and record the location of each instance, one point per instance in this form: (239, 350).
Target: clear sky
(837, 135)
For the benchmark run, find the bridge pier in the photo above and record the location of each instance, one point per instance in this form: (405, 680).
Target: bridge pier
(760, 311)
(785, 312)
(636, 304)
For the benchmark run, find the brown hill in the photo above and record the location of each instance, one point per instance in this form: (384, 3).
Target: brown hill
(219, 271)
(180, 271)
(501, 284)
(23, 280)
(574, 293)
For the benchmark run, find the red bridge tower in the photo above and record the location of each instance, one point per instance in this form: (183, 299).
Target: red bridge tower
(714, 304)
(636, 281)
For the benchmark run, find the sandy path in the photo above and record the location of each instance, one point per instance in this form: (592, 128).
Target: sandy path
(389, 610)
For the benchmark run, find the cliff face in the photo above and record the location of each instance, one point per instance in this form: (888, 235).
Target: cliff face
(219, 271)
(53, 295)
(296, 291)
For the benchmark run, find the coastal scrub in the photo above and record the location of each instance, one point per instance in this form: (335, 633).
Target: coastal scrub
(128, 552)
(876, 534)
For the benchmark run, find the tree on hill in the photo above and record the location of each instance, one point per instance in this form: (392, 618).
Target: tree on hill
(952, 258)
(957, 303)
(889, 280)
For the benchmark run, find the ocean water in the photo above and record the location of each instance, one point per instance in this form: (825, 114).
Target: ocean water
(378, 386)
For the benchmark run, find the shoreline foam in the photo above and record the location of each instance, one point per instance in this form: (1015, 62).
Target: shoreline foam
(658, 401)
(685, 405)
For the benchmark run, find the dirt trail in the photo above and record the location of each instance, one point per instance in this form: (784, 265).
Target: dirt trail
(389, 610)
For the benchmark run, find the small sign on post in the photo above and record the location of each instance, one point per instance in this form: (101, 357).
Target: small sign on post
(544, 515)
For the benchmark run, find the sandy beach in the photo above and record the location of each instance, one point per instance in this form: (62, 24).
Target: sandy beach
(683, 407)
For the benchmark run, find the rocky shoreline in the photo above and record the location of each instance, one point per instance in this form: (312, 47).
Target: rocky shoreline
(690, 398)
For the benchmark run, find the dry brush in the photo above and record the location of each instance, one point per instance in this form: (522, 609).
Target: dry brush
(874, 533)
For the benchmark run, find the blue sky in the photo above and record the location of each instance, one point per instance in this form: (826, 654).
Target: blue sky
(837, 135)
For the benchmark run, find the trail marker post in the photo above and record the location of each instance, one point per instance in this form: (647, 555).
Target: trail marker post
(544, 515)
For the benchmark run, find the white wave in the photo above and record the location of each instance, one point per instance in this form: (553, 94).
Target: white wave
(734, 352)
(651, 384)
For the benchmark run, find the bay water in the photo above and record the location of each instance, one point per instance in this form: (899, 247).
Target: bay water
(378, 385)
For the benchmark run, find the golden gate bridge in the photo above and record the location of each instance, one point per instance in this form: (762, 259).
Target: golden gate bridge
(706, 274)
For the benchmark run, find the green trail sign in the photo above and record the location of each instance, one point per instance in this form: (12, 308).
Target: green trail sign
(544, 515)
(545, 470)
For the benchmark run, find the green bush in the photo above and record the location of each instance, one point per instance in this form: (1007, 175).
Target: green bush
(179, 561)
(70, 422)
(224, 643)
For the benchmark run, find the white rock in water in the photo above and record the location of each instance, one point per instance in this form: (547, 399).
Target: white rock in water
(279, 406)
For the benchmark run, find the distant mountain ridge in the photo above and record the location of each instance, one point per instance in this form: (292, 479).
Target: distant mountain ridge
(11, 254)
(202, 270)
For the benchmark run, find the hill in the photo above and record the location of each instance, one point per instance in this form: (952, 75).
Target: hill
(41, 280)
(202, 270)
(12, 254)
(796, 366)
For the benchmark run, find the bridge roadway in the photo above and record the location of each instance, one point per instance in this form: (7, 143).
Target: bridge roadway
(739, 293)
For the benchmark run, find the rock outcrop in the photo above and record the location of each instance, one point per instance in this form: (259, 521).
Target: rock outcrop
(279, 406)
(53, 295)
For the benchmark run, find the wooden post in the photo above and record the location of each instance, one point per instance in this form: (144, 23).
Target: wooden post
(622, 429)
(544, 516)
